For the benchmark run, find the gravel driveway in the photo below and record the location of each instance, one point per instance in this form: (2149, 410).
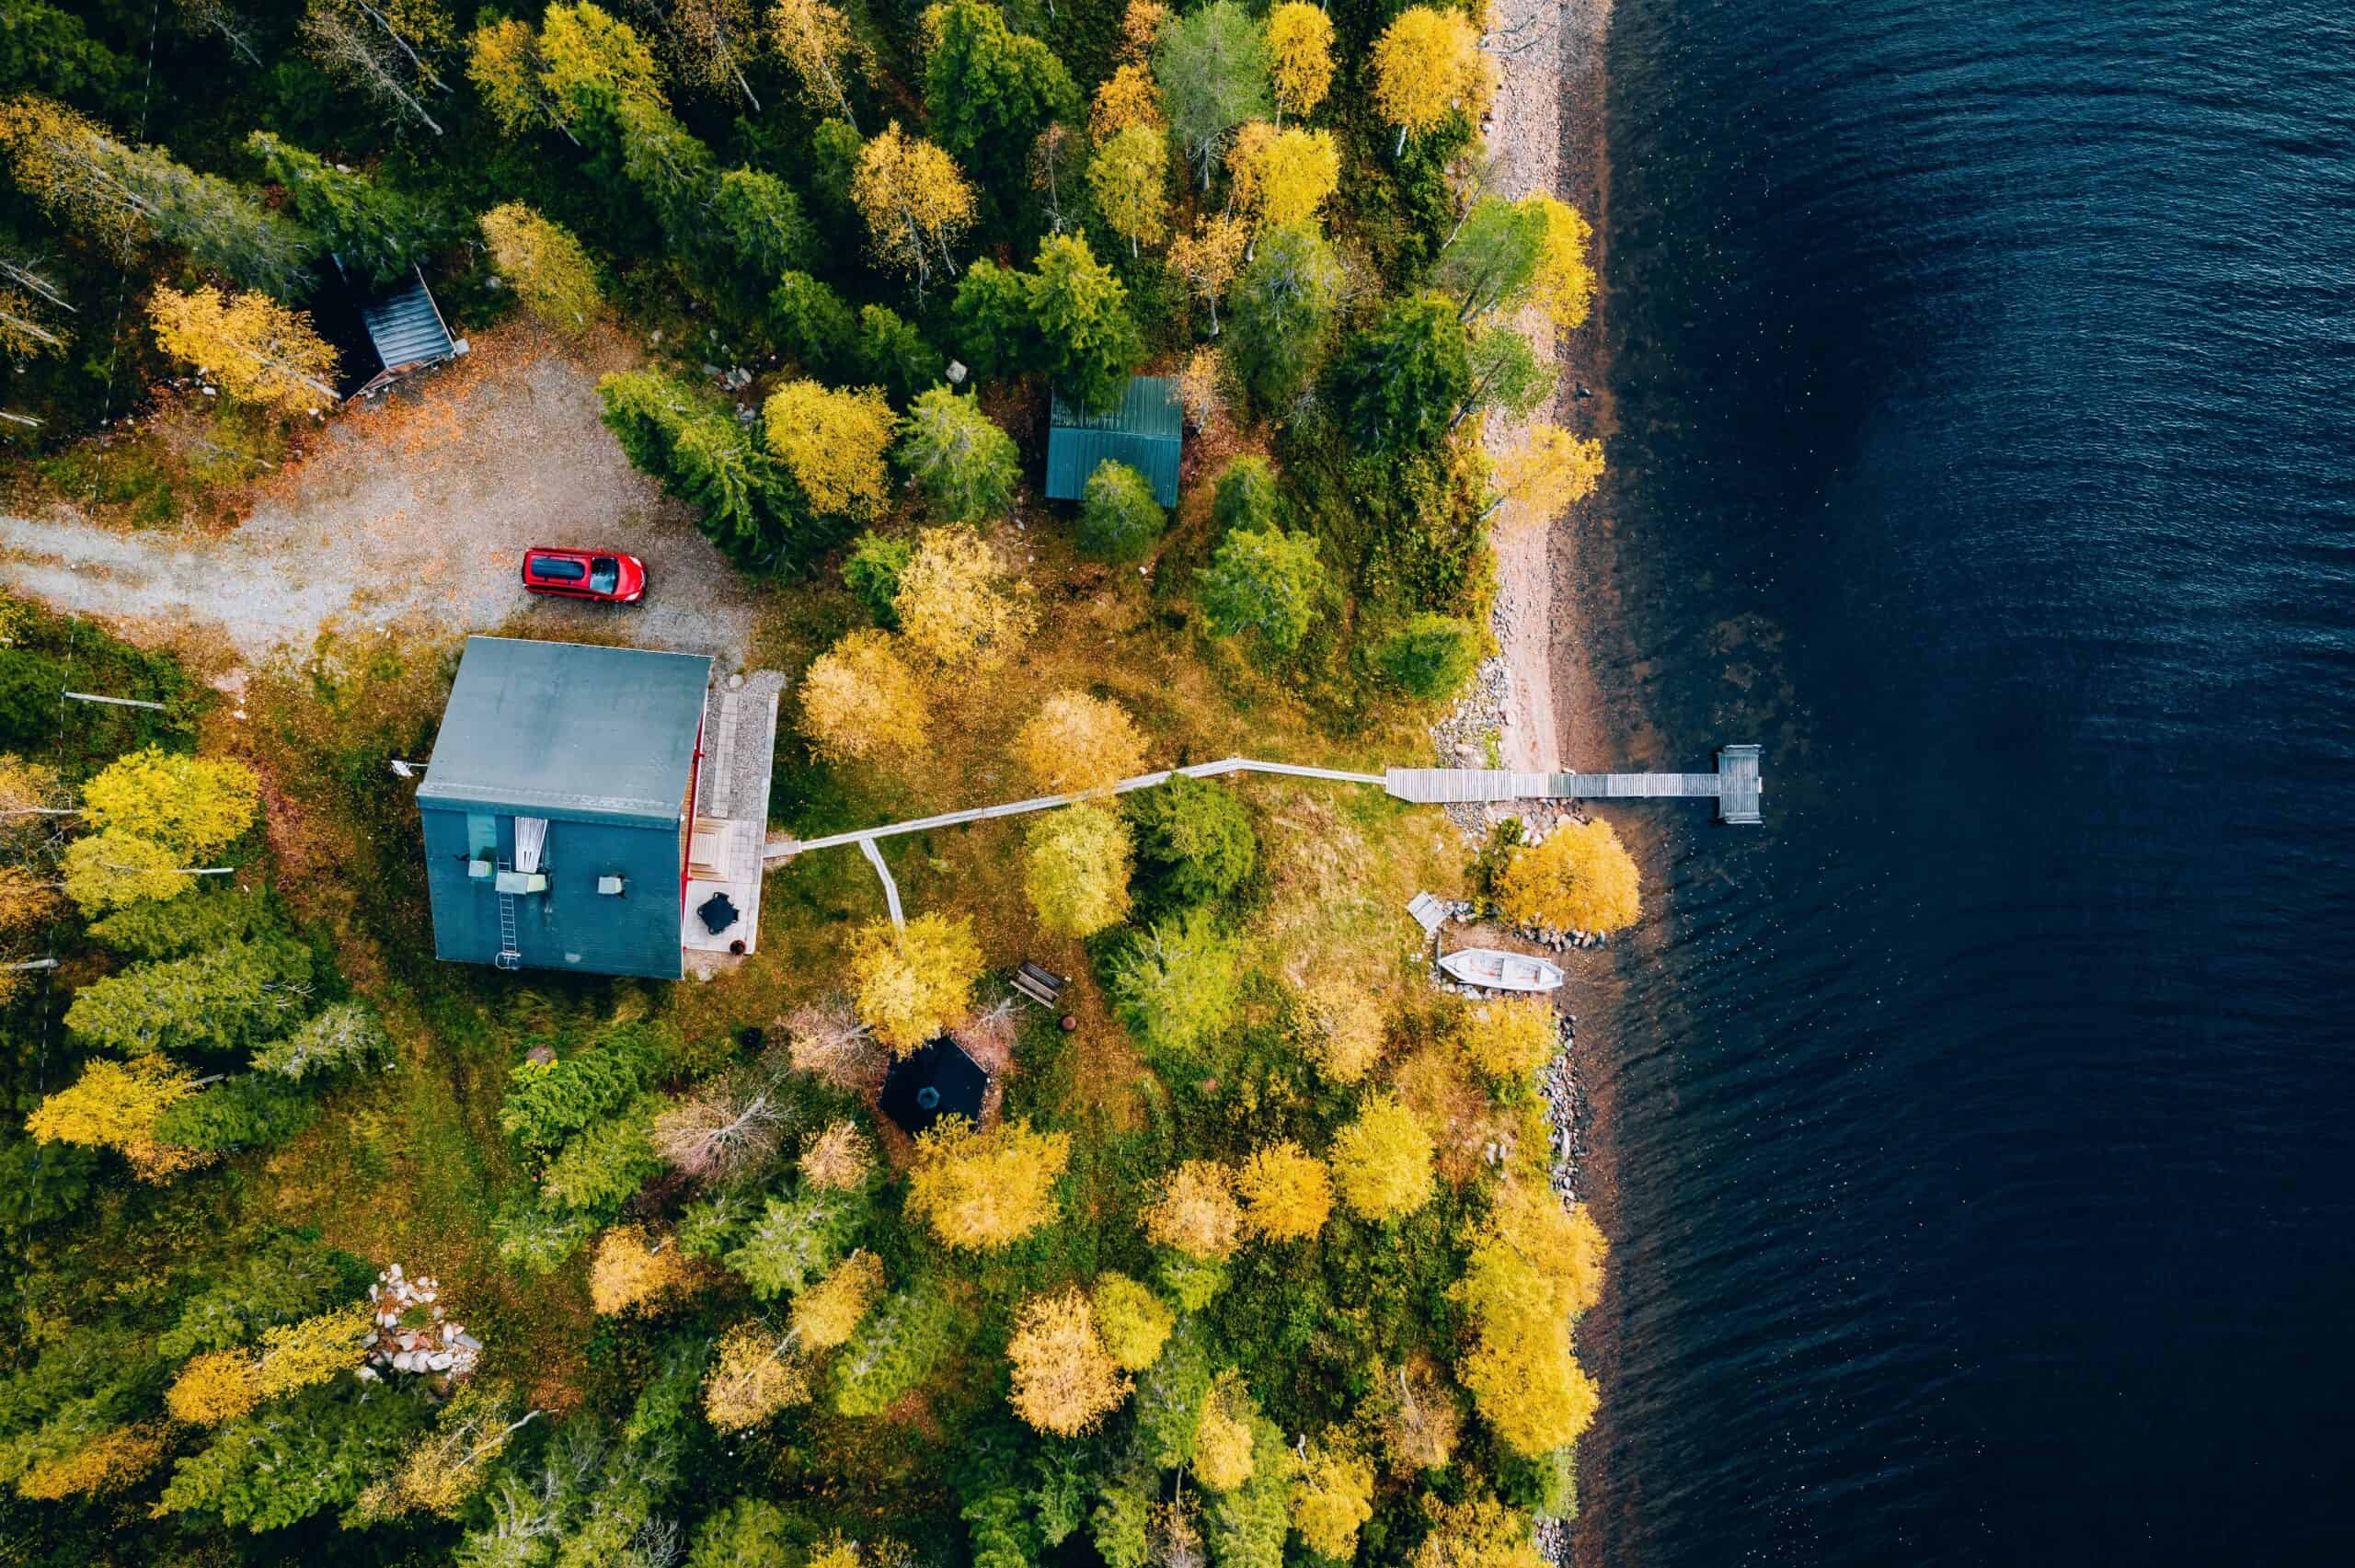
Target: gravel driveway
(417, 512)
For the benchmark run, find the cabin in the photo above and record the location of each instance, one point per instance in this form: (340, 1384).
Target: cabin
(1147, 431)
(383, 334)
(559, 808)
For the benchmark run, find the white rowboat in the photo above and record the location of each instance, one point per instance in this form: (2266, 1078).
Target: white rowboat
(1495, 970)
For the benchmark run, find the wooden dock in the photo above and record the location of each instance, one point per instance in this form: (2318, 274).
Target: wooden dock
(1736, 788)
(1736, 785)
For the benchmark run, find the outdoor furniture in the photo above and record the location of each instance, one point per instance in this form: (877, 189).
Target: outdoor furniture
(1042, 986)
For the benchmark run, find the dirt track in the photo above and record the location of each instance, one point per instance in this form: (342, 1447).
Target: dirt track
(415, 513)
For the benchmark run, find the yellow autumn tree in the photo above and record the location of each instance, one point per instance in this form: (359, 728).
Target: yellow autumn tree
(116, 1105)
(198, 805)
(1127, 97)
(983, 1191)
(1478, 1533)
(1077, 744)
(1332, 1494)
(1223, 1456)
(1580, 878)
(1534, 1267)
(1141, 27)
(913, 981)
(815, 41)
(1426, 65)
(1381, 1161)
(1075, 869)
(1287, 1193)
(631, 1273)
(1134, 1321)
(258, 351)
(217, 1386)
(552, 276)
(109, 870)
(1299, 56)
(1197, 1213)
(861, 702)
(829, 1312)
(840, 1159)
(1128, 176)
(1283, 176)
(295, 1356)
(1507, 1039)
(449, 1466)
(1549, 469)
(832, 442)
(587, 54)
(107, 1462)
(915, 200)
(1205, 260)
(1347, 1031)
(1065, 1381)
(958, 604)
(1564, 282)
(754, 1374)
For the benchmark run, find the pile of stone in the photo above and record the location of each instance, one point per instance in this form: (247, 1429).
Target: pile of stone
(412, 1333)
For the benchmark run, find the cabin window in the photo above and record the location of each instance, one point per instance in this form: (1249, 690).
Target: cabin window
(482, 836)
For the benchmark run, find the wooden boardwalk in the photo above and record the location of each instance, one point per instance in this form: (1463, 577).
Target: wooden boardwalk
(1735, 786)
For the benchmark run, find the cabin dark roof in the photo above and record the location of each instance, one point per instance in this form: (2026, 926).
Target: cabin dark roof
(939, 1080)
(405, 327)
(570, 731)
(1147, 431)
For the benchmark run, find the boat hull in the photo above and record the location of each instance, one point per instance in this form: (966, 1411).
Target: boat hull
(1491, 970)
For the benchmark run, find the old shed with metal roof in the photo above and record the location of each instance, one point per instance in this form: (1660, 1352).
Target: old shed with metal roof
(557, 806)
(1147, 431)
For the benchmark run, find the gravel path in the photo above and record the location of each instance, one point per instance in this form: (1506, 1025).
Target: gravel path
(414, 513)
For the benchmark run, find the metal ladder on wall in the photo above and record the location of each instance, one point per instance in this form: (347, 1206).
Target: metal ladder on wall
(509, 957)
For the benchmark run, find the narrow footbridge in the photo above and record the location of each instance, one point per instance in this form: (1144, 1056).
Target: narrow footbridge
(1736, 786)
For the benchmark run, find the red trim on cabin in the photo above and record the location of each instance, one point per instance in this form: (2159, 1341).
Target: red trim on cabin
(694, 791)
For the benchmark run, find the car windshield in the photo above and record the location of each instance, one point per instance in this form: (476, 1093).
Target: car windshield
(554, 568)
(605, 574)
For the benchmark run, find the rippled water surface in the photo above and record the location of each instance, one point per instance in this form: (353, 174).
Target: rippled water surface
(1983, 1123)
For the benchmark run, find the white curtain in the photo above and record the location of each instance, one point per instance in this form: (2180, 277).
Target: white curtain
(531, 838)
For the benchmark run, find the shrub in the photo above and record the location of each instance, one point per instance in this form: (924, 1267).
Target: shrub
(1430, 656)
(1247, 498)
(892, 1352)
(872, 574)
(1077, 744)
(1287, 1193)
(1135, 1321)
(1175, 985)
(1194, 841)
(1507, 1039)
(1580, 878)
(796, 1240)
(544, 1106)
(1076, 870)
(1119, 518)
(1381, 1161)
(1270, 583)
(251, 1111)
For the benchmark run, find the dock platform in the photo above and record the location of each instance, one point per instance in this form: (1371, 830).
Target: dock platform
(1737, 785)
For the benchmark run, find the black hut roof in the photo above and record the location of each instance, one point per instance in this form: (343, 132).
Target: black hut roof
(939, 1080)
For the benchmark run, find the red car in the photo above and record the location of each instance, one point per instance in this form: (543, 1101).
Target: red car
(579, 574)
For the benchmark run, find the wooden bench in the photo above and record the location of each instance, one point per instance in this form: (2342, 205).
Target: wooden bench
(1042, 986)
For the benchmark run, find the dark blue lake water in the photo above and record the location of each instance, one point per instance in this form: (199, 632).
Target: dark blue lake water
(1984, 1124)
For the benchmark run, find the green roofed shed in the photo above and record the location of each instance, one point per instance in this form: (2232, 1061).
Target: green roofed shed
(556, 806)
(1146, 432)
